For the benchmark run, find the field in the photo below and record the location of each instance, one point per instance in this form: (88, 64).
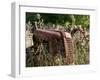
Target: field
(38, 51)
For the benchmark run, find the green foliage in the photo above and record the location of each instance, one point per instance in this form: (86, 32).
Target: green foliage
(83, 20)
(59, 19)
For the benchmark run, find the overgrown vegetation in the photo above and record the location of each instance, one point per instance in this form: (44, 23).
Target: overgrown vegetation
(76, 25)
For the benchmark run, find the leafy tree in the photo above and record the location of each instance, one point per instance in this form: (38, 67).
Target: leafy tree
(59, 19)
(83, 20)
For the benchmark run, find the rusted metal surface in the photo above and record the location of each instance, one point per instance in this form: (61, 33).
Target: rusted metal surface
(47, 34)
(68, 46)
(52, 35)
